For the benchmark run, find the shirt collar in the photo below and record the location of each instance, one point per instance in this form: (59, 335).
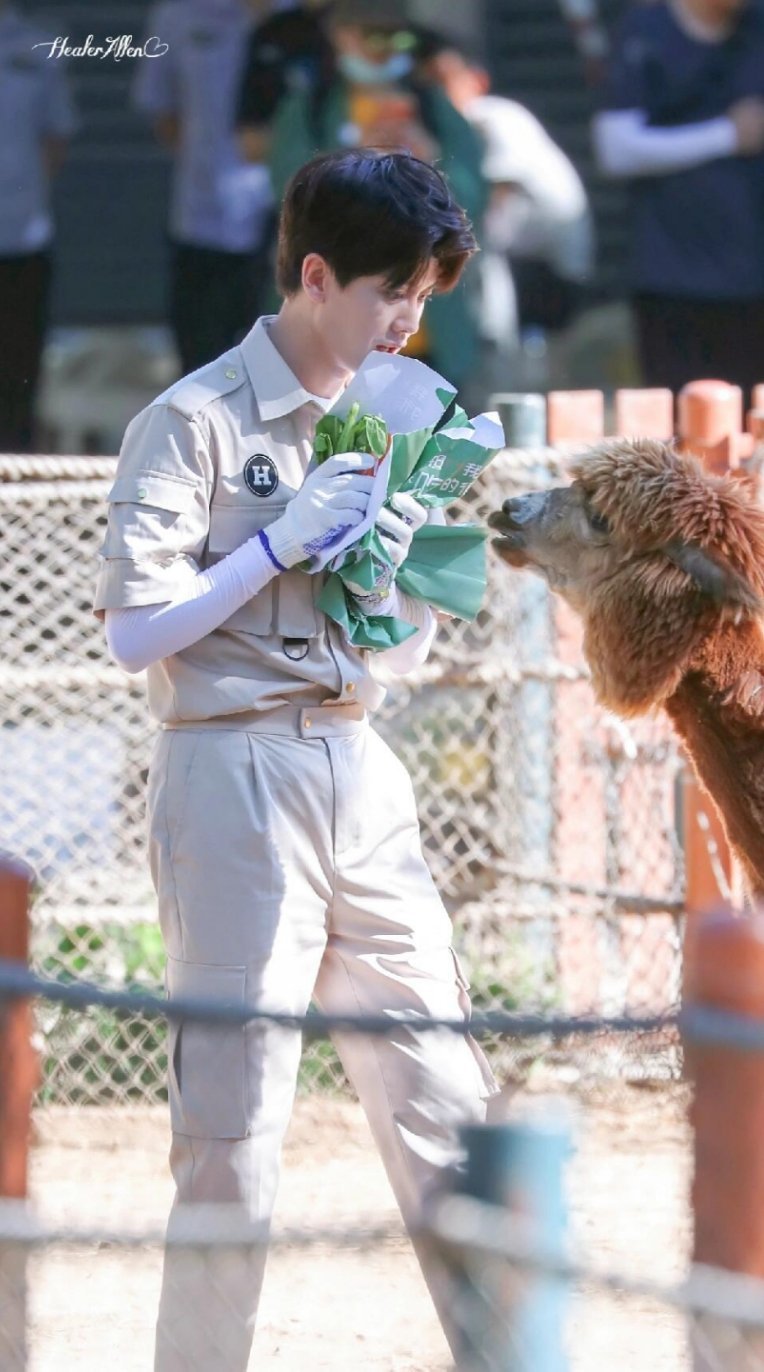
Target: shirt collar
(277, 390)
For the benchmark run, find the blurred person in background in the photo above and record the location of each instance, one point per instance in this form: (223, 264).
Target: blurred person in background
(374, 99)
(290, 50)
(589, 36)
(37, 119)
(683, 120)
(222, 206)
(538, 237)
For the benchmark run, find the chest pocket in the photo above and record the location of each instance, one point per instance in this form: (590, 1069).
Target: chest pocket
(287, 604)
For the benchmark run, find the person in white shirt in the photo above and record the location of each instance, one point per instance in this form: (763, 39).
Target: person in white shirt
(538, 238)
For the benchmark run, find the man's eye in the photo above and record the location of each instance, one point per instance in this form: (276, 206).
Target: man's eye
(598, 522)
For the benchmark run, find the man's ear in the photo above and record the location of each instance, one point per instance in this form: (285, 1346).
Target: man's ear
(316, 273)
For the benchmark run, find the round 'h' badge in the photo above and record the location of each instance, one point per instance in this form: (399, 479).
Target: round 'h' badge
(260, 474)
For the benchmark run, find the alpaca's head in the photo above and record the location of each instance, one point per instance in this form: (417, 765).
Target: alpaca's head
(655, 554)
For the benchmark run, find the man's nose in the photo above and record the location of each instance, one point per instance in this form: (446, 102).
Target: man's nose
(408, 316)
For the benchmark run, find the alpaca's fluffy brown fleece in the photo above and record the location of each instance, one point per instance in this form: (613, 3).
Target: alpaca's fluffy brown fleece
(651, 495)
(652, 637)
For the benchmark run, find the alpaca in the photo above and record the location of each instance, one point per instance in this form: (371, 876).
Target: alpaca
(665, 564)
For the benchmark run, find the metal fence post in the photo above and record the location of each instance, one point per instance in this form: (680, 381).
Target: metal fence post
(519, 1314)
(727, 973)
(18, 1078)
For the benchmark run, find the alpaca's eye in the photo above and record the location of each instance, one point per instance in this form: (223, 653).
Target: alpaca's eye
(598, 522)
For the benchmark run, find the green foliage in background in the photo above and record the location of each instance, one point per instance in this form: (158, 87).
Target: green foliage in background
(103, 1056)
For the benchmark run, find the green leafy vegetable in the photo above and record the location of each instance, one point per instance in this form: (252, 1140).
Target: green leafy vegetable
(367, 434)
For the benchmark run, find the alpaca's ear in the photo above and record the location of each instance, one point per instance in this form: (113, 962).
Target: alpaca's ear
(721, 584)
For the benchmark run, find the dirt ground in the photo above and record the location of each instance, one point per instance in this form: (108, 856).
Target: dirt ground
(337, 1310)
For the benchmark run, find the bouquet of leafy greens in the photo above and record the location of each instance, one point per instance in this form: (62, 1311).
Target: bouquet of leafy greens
(446, 565)
(355, 434)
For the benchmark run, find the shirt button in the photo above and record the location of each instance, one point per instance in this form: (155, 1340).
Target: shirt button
(350, 687)
(230, 373)
(141, 492)
(308, 723)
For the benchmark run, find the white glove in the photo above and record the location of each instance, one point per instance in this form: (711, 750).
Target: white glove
(331, 500)
(396, 529)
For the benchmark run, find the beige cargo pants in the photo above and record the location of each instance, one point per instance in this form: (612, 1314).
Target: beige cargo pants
(288, 867)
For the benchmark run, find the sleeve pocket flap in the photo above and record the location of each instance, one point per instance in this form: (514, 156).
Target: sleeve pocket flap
(153, 488)
(206, 981)
(207, 1061)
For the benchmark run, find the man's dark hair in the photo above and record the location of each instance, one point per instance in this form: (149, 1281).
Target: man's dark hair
(372, 213)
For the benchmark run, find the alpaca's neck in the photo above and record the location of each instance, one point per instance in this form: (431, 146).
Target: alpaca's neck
(718, 711)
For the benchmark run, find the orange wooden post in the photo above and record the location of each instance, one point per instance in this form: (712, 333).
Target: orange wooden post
(710, 419)
(709, 411)
(727, 974)
(575, 417)
(644, 414)
(755, 425)
(18, 1078)
(18, 1064)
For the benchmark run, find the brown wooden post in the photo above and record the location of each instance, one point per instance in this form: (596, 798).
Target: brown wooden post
(727, 973)
(18, 1078)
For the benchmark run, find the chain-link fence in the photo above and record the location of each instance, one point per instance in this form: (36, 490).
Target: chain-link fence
(549, 827)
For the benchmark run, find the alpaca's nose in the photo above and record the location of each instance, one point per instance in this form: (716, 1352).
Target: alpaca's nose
(520, 510)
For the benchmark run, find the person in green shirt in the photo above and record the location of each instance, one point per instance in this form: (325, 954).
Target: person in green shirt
(375, 100)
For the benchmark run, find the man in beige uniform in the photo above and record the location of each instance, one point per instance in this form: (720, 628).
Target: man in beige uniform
(285, 847)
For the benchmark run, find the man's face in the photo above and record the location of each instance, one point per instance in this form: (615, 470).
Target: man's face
(366, 315)
(374, 44)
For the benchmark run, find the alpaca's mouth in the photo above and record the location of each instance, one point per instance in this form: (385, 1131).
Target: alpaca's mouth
(510, 545)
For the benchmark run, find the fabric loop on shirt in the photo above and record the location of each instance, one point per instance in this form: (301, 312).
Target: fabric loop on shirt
(296, 648)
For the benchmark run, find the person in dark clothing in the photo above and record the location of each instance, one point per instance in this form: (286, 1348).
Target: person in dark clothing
(289, 51)
(683, 120)
(38, 119)
(222, 206)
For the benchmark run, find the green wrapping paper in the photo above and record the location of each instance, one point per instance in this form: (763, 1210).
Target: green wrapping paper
(447, 567)
(446, 564)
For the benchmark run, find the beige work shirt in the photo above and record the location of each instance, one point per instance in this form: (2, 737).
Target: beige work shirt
(206, 466)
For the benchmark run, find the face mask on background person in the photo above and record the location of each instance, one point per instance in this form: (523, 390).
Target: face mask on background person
(361, 72)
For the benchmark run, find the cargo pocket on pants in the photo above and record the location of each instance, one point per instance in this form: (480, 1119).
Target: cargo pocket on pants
(207, 1062)
(488, 1082)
